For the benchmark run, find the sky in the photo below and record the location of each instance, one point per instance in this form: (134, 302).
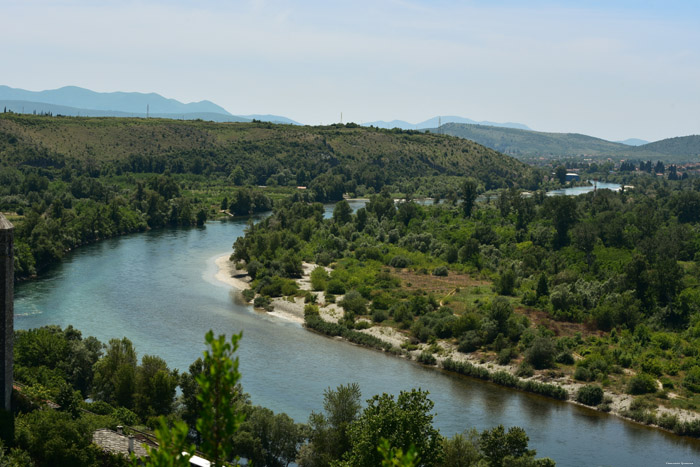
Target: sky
(612, 69)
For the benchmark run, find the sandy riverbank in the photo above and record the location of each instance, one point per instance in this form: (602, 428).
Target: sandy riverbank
(293, 310)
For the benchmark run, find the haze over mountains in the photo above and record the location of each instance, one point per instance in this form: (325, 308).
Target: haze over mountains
(74, 101)
(436, 121)
(515, 139)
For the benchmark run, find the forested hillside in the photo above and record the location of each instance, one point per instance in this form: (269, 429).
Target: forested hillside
(66, 182)
(527, 145)
(265, 153)
(521, 143)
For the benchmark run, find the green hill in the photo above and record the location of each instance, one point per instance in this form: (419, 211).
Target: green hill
(524, 143)
(682, 148)
(263, 153)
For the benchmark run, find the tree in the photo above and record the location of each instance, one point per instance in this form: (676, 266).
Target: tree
(500, 448)
(328, 438)
(560, 174)
(563, 212)
(342, 213)
(542, 286)
(405, 423)
(219, 419)
(115, 374)
(173, 449)
(469, 194)
(155, 387)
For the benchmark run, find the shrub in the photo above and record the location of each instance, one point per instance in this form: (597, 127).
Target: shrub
(541, 353)
(525, 370)
(565, 358)
(335, 287)
(582, 374)
(692, 379)
(506, 282)
(319, 278)
(354, 302)
(379, 315)
(469, 342)
(590, 395)
(262, 302)
(440, 271)
(505, 379)
(427, 358)
(642, 383)
(506, 355)
(400, 262)
(248, 294)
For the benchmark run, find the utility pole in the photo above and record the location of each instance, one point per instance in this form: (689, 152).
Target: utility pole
(7, 282)
(148, 109)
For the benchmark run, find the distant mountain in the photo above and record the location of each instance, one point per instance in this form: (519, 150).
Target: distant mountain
(433, 123)
(633, 142)
(74, 101)
(271, 118)
(29, 107)
(130, 102)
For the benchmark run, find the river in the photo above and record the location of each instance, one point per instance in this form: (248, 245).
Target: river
(158, 289)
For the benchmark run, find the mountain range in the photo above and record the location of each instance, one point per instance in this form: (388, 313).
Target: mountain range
(76, 101)
(436, 121)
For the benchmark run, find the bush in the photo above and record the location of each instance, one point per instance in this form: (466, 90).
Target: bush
(248, 294)
(379, 315)
(469, 342)
(506, 355)
(582, 374)
(541, 353)
(319, 278)
(335, 287)
(565, 358)
(590, 395)
(692, 379)
(641, 384)
(427, 358)
(440, 271)
(262, 302)
(525, 370)
(399, 262)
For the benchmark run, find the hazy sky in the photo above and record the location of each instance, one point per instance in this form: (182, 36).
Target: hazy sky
(613, 69)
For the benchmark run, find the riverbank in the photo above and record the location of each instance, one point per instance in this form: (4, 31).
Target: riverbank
(444, 355)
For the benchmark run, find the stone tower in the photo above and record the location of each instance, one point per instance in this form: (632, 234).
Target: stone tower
(7, 278)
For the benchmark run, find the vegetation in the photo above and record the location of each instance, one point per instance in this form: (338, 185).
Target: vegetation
(66, 181)
(214, 416)
(531, 282)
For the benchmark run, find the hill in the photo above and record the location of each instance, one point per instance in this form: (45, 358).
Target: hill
(435, 121)
(681, 147)
(265, 153)
(523, 143)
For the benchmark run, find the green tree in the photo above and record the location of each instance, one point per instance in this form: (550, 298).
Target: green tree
(173, 449)
(405, 422)
(560, 174)
(155, 387)
(469, 194)
(328, 432)
(342, 214)
(500, 448)
(115, 374)
(219, 419)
